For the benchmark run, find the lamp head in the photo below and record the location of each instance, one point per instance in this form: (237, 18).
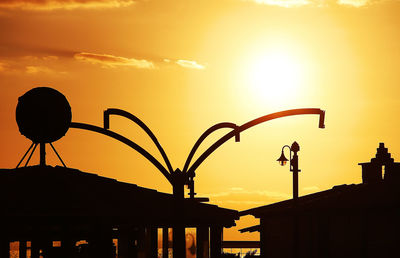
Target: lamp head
(282, 159)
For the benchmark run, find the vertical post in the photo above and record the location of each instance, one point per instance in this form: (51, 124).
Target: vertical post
(125, 242)
(22, 249)
(141, 242)
(178, 230)
(4, 248)
(263, 238)
(203, 240)
(35, 249)
(165, 242)
(179, 241)
(295, 169)
(153, 235)
(216, 241)
(178, 184)
(42, 154)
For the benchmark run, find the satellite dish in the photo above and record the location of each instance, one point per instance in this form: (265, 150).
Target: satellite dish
(43, 115)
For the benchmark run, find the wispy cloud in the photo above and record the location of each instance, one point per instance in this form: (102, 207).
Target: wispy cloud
(35, 69)
(241, 191)
(110, 61)
(63, 4)
(319, 3)
(36, 58)
(3, 66)
(32, 65)
(283, 3)
(354, 3)
(190, 64)
(240, 198)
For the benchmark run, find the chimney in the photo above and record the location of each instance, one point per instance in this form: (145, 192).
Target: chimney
(372, 171)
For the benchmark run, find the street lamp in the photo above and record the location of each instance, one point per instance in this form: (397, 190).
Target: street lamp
(294, 166)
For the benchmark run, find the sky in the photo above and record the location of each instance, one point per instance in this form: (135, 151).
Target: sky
(182, 66)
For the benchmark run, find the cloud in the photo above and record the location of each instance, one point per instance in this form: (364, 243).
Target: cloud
(3, 67)
(240, 198)
(354, 3)
(283, 3)
(260, 193)
(111, 61)
(190, 64)
(63, 4)
(318, 3)
(32, 65)
(34, 69)
(36, 58)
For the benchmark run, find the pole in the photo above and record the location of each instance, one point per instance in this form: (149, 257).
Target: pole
(294, 162)
(42, 154)
(295, 169)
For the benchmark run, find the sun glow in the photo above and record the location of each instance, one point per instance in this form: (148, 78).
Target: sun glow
(274, 76)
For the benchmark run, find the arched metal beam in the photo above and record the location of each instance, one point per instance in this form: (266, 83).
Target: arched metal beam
(120, 112)
(204, 136)
(128, 142)
(226, 137)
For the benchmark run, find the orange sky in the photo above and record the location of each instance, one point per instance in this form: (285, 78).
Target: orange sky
(181, 66)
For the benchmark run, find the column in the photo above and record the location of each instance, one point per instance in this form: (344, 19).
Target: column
(179, 241)
(22, 249)
(4, 248)
(141, 242)
(153, 237)
(165, 242)
(35, 249)
(126, 242)
(263, 238)
(202, 242)
(216, 241)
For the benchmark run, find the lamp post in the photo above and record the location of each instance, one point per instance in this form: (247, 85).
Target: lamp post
(294, 167)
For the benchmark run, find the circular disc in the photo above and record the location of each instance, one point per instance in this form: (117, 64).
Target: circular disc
(43, 115)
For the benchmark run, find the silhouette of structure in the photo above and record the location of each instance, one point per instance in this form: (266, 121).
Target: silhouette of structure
(44, 204)
(346, 221)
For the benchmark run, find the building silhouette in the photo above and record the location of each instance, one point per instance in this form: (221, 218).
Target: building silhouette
(43, 204)
(358, 220)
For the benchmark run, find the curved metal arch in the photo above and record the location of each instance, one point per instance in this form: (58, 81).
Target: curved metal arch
(136, 120)
(204, 136)
(128, 142)
(226, 137)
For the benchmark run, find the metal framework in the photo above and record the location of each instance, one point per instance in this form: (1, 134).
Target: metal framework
(188, 172)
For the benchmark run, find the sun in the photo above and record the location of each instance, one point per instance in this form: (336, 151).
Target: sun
(274, 76)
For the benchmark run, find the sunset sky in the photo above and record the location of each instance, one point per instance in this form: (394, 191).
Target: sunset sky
(182, 66)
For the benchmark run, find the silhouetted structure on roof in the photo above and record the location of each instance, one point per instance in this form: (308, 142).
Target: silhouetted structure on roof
(346, 221)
